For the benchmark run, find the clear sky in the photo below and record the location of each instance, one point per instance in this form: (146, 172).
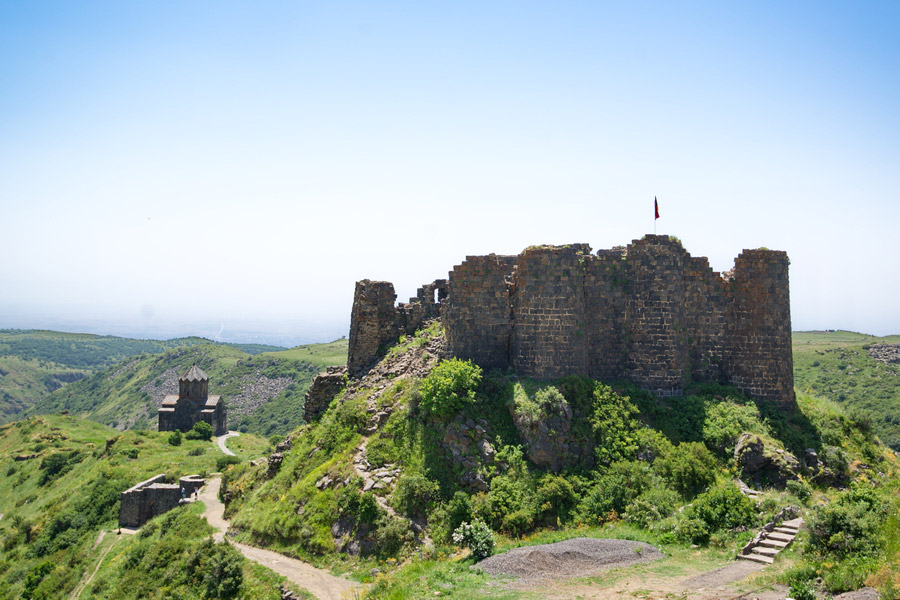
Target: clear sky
(239, 165)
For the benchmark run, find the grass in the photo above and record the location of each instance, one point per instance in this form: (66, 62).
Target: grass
(322, 355)
(836, 365)
(56, 518)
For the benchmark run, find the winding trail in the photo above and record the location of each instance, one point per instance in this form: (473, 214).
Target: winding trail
(318, 582)
(221, 442)
(86, 581)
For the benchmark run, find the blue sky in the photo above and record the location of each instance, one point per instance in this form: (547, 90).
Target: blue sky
(235, 165)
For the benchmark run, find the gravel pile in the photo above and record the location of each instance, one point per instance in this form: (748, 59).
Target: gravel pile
(578, 557)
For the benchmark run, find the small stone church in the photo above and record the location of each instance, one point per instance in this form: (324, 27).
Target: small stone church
(192, 404)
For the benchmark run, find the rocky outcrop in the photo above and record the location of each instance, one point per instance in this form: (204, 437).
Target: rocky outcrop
(322, 390)
(886, 353)
(547, 429)
(465, 443)
(764, 465)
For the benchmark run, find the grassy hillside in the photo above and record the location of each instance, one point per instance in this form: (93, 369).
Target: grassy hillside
(34, 363)
(64, 490)
(264, 393)
(412, 451)
(837, 365)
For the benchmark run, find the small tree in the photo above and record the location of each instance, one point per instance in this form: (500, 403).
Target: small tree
(201, 431)
(175, 438)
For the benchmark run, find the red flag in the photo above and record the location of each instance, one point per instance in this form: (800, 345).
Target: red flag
(656, 207)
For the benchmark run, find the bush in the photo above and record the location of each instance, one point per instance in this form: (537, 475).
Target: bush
(414, 494)
(450, 515)
(800, 489)
(175, 438)
(653, 505)
(689, 468)
(723, 507)
(200, 431)
(477, 537)
(726, 421)
(223, 573)
(802, 590)
(450, 386)
(224, 461)
(695, 531)
(849, 525)
(390, 536)
(359, 507)
(556, 499)
(615, 428)
(622, 483)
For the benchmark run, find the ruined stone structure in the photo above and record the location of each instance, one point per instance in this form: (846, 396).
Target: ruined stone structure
(376, 323)
(649, 313)
(147, 500)
(192, 404)
(322, 389)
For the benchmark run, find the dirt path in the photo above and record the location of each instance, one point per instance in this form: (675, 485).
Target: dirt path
(76, 593)
(318, 582)
(221, 442)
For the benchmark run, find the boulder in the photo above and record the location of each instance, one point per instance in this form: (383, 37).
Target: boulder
(762, 464)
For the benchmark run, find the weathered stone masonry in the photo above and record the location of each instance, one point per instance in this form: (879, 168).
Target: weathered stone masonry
(649, 313)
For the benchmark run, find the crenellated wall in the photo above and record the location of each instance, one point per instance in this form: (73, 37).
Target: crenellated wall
(649, 313)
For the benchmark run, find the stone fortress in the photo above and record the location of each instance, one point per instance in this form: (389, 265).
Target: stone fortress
(648, 313)
(192, 404)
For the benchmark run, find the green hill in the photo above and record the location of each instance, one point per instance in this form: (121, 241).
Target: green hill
(34, 363)
(418, 447)
(264, 394)
(60, 482)
(843, 366)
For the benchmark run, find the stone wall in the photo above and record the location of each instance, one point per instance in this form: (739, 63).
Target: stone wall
(323, 388)
(375, 323)
(649, 313)
(146, 500)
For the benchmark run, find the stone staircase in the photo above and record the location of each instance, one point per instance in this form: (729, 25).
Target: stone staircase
(771, 540)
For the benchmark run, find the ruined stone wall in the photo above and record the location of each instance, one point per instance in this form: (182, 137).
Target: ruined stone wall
(478, 320)
(375, 323)
(760, 362)
(322, 390)
(549, 325)
(649, 313)
(146, 500)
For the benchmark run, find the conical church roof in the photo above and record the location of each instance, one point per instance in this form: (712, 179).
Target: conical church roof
(195, 373)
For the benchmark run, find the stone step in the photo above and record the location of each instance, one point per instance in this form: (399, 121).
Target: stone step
(773, 544)
(780, 537)
(795, 523)
(786, 530)
(757, 558)
(766, 551)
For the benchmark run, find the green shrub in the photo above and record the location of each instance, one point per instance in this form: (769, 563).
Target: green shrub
(613, 422)
(689, 468)
(802, 590)
(450, 515)
(726, 421)
(623, 482)
(175, 438)
(390, 536)
(531, 411)
(510, 495)
(800, 489)
(849, 525)
(450, 386)
(224, 461)
(723, 507)
(477, 537)
(691, 530)
(653, 505)
(556, 499)
(359, 507)
(223, 573)
(200, 431)
(414, 494)
(196, 451)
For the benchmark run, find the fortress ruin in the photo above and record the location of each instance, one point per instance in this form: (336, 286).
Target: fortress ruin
(649, 313)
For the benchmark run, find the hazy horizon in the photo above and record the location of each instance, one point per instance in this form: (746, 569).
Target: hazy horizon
(234, 167)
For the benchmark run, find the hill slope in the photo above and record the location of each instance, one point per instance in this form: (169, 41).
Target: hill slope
(860, 372)
(408, 453)
(60, 487)
(34, 363)
(264, 393)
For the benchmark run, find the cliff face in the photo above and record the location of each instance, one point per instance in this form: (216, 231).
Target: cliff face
(649, 313)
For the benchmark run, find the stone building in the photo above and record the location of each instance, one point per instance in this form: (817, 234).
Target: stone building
(649, 313)
(153, 497)
(192, 404)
